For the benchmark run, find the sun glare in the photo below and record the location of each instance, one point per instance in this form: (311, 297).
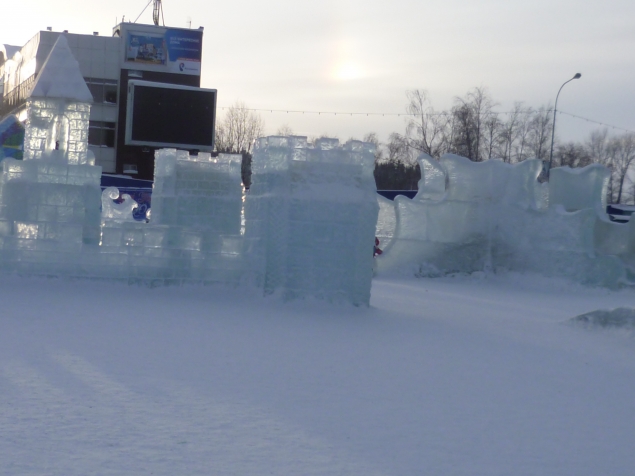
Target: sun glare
(344, 64)
(347, 72)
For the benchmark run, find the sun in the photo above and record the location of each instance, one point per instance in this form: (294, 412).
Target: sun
(347, 71)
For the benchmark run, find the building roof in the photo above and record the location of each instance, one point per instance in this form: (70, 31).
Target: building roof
(60, 76)
(7, 52)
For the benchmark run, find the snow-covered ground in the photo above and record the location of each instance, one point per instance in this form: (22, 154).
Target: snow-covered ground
(476, 375)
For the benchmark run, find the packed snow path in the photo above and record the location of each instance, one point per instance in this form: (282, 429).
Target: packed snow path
(464, 376)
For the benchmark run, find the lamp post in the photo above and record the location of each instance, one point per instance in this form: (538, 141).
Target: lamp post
(553, 129)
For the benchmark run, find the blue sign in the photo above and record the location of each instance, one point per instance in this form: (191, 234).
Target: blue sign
(184, 44)
(145, 49)
(179, 49)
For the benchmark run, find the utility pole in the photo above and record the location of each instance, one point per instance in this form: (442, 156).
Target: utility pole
(157, 9)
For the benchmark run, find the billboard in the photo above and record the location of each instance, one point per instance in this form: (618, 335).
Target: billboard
(170, 115)
(173, 50)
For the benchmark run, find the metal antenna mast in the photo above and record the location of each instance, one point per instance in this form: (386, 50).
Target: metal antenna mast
(156, 10)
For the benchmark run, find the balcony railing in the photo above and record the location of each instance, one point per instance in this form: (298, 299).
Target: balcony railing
(16, 97)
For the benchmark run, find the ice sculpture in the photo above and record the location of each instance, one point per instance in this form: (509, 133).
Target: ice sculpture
(49, 202)
(309, 220)
(196, 207)
(117, 211)
(312, 212)
(577, 189)
(617, 239)
(307, 228)
(58, 110)
(194, 233)
(386, 221)
(198, 191)
(433, 179)
(493, 215)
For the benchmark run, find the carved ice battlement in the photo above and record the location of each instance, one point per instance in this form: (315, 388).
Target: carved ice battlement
(489, 216)
(306, 228)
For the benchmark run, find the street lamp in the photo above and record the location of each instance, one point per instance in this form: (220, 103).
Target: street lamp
(553, 130)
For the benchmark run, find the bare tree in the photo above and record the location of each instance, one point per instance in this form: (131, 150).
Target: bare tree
(427, 130)
(398, 170)
(236, 134)
(598, 147)
(540, 133)
(601, 153)
(572, 155)
(371, 137)
(621, 150)
(468, 117)
(238, 130)
(284, 130)
(513, 134)
(491, 137)
(398, 149)
(520, 147)
(463, 134)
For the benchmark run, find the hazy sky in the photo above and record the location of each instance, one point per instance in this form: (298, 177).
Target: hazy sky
(362, 56)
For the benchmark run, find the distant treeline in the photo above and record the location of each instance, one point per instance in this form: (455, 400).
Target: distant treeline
(472, 128)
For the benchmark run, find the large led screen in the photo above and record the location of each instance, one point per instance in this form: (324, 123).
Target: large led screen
(169, 115)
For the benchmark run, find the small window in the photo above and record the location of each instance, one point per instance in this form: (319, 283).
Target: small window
(101, 134)
(110, 93)
(97, 90)
(104, 91)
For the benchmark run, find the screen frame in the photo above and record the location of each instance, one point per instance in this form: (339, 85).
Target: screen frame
(151, 84)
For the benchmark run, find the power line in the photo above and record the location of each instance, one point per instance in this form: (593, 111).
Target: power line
(407, 114)
(335, 113)
(398, 114)
(596, 122)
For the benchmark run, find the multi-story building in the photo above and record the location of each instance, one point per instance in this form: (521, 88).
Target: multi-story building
(163, 66)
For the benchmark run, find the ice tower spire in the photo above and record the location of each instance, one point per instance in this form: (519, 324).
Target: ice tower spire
(60, 76)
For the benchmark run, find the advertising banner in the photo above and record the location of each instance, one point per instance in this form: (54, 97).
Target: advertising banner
(185, 49)
(175, 50)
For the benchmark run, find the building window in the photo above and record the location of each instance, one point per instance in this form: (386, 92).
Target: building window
(101, 134)
(103, 90)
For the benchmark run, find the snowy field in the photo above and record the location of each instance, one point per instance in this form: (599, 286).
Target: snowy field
(477, 375)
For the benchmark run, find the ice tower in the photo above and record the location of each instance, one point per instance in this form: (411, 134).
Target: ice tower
(50, 201)
(58, 110)
(313, 212)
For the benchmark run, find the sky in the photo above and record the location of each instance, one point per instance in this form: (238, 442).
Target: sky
(349, 56)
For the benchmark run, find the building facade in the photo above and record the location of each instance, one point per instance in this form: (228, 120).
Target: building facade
(146, 53)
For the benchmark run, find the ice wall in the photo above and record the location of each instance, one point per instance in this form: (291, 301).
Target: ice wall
(580, 188)
(312, 213)
(193, 235)
(386, 221)
(48, 212)
(198, 191)
(471, 217)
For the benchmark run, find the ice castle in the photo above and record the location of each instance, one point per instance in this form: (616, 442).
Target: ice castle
(306, 230)
(307, 226)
